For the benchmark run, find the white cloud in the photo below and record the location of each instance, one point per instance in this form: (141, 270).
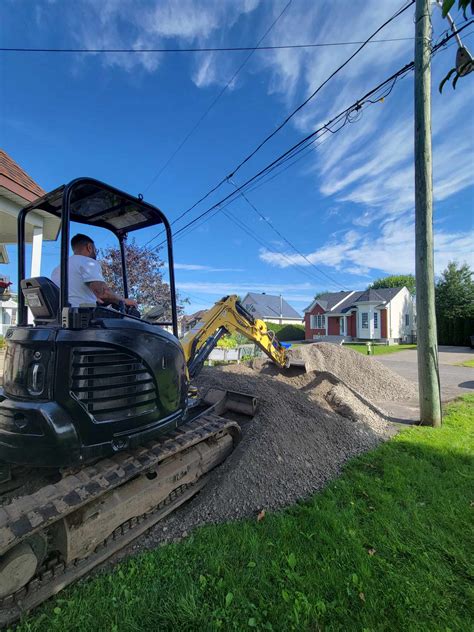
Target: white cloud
(392, 251)
(139, 24)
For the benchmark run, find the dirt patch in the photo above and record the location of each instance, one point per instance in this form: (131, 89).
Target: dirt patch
(306, 428)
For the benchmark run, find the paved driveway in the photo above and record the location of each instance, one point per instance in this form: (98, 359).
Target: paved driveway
(455, 380)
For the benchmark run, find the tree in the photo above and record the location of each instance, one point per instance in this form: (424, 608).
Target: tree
(455, 292)
(319, 294)
(462, 4)
(395, 280)
(145, 276)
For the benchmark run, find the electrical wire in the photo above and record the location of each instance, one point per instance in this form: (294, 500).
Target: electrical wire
(302, 144)
(285, 239)
(265, 245)
(304, 147)
(217, 49)
(291, 115)
(215, 100)
(388, 84)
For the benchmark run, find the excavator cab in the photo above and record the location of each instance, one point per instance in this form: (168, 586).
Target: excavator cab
(81, 383)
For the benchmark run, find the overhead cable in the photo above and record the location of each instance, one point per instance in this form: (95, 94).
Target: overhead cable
(216, 49)
(215, 100)
(285, 239)
(306, 141)
(291, 115)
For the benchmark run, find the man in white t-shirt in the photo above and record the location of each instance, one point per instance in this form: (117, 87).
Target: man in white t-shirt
(86, 282)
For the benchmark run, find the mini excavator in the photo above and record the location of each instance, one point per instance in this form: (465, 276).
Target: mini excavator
(101, 435)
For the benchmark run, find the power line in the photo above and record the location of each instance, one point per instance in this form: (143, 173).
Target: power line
(285, 239)
(303, 144)
(320, 87)
(221, 49)
(290, 116)
(215, 100)
(265, 244)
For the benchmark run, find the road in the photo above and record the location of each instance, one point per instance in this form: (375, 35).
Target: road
(455, 380)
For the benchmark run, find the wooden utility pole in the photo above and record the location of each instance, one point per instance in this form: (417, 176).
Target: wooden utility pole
(428, 373)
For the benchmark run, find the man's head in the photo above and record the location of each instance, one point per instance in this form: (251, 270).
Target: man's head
(83, 245)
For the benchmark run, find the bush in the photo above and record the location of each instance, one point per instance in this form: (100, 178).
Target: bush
(455, 331)
(287, 332)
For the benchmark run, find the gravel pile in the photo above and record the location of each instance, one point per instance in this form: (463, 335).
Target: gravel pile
(364, 374)
(306, 428)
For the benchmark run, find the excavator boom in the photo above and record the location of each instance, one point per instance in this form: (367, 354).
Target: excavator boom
(229, 316)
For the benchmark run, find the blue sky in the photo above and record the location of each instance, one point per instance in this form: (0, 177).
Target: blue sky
(347, 206)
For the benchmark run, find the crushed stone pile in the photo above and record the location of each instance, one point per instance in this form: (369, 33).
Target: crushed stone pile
(306, 428)
(364, 374)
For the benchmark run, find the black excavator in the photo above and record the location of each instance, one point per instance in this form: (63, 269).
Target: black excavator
(101, 434)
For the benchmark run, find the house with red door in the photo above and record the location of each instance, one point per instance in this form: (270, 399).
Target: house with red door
(382, 315)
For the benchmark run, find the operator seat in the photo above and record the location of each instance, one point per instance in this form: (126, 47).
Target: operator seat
(42, 297)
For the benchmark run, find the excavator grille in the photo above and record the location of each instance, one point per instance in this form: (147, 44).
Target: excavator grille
(112, 385)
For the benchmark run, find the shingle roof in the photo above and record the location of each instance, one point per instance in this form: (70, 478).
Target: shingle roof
(383, 294)
(330, 299)
(268, 306)
(12, 175)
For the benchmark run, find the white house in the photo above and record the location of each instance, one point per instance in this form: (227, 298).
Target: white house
(17, 190)
(272, 309)
(385, 315)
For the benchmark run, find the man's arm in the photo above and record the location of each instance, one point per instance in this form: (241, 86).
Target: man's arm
(106, 295)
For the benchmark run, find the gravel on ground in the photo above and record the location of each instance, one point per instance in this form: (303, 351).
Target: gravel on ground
(306, 428)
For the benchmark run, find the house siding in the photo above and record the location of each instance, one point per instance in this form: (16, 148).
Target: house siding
(400, 305)
(309, 332)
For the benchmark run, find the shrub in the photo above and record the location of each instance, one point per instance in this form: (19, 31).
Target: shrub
(287, 332)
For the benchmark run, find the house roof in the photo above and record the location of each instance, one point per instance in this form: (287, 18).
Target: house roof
(15, 180)
(329, 300)
(344, 301)
(382, 295)
(269, 306)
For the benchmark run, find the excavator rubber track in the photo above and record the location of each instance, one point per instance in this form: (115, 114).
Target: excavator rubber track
(178, 462)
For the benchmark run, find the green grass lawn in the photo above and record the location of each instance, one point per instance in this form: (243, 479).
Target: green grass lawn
(468, 363)
(379, 349)
(387, 546)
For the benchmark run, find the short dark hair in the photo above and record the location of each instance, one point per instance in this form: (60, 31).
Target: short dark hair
(80, 240)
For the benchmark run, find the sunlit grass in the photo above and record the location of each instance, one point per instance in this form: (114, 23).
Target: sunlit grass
(386, 546)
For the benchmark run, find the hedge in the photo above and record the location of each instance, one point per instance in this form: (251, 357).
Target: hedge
(287, 332)
(455, 331)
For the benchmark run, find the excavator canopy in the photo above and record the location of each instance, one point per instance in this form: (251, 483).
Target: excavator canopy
(97, 204)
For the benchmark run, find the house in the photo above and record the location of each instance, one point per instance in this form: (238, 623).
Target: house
(17, 190)
(383, 315)
(272, 309)
(188, 321)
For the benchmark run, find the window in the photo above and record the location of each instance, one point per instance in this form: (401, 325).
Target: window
(407, 320)
(376, 320)
(342, 325)
(365, 320)
(317, 321)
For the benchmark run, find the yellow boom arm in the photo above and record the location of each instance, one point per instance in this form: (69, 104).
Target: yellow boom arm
(228, 316)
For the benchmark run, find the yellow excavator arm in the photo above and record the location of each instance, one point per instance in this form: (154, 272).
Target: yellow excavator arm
(229, 316)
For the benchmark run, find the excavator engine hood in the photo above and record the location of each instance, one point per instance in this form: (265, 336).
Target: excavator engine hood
(71, 396)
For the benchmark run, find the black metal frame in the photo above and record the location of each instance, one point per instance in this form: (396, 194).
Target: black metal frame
(65, 216)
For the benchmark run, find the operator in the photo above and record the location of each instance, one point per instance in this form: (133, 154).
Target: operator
(86, 282)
